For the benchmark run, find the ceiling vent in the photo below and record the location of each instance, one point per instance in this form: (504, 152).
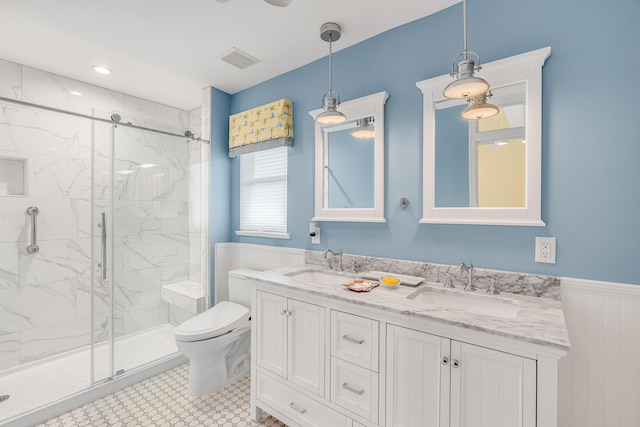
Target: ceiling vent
(238, 58)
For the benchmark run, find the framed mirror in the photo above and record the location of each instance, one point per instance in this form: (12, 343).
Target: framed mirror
(485, 171)
(349, 168)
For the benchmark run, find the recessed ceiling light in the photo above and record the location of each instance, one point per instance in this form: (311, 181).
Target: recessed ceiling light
(102, 70)
(75, 92)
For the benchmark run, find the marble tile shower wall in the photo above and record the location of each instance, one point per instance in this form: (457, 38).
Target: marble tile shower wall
(45, 298)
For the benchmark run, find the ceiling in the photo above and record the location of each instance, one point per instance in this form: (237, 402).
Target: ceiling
(168, 50)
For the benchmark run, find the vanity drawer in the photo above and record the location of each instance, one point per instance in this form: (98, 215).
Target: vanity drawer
(355, 339)
(295, 406)
(354, 388)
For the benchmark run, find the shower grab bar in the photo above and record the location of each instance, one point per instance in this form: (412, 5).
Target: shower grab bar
(33, 247)
(103, 246)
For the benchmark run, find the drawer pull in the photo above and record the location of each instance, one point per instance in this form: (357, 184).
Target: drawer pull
(353, 340)
(352, 390)
(295, 408)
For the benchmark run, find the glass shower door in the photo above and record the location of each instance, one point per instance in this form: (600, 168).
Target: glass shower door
(148, 242)
(102, 253)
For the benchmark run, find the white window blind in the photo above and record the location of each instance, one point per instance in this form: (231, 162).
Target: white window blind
(263, 191)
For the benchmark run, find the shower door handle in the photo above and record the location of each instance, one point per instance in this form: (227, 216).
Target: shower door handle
(103, 246)
(33, 247)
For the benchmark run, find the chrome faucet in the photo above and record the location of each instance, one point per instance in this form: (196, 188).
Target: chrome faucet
(334, 254)
(469, 269)
(493, 287)
(448, 283)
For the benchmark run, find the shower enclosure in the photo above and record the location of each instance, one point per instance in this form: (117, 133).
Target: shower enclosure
(96, 216)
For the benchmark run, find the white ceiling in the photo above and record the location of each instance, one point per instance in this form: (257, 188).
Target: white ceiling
(167, 50)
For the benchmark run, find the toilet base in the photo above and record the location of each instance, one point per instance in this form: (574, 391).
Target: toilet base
(207, 375)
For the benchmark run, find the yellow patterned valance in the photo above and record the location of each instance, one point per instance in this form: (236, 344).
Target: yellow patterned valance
(261, 128)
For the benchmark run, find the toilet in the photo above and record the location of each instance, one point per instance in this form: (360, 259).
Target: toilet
(217, 342)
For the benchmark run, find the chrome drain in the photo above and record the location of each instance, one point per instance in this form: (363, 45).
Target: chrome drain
(4, 397)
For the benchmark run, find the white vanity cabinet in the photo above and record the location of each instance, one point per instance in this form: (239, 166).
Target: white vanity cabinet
(436, 381)
(325, 361)
(291, 340)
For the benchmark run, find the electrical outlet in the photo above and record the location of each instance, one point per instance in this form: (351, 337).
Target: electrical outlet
(546, 249)
(314, 232)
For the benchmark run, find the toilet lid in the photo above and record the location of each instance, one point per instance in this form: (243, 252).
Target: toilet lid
(218, 320)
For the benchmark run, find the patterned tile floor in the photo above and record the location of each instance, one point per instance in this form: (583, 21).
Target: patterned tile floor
(163, 401)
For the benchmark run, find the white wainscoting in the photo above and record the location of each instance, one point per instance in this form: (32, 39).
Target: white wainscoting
(232, 256)
(600, 377)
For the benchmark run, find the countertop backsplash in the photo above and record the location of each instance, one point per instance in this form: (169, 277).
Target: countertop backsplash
(509, 282)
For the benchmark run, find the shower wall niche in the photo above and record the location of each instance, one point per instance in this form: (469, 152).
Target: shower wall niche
(159, 201)
(13, 175)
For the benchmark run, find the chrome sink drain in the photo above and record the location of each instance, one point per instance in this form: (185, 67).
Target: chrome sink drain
(4, 397)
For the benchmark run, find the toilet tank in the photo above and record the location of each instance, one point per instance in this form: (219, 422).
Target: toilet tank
(240, 288)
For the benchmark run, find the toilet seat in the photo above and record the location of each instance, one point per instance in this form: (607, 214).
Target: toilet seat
(222, 318)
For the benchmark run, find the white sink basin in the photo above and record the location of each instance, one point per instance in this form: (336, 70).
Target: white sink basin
(325, 278)
(471, 302)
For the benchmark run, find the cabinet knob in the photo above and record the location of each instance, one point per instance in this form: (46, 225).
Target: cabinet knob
(283, 312)
(445, 360)
(455, 363)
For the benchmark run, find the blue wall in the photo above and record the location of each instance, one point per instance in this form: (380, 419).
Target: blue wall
(591, 155)
(220, 184)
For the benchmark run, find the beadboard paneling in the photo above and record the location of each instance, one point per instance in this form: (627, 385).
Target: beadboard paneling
(231, 256)
(600, 377)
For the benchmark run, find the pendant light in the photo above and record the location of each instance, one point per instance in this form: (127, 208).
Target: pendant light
(364, 131)
(479, 108)
(330, 32)
(466, 85)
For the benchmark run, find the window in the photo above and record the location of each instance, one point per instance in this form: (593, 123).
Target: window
(263, 193)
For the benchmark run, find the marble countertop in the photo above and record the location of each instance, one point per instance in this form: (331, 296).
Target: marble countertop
(538, 320)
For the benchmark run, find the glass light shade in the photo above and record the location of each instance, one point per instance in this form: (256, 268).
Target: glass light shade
(364, 131)
(480, 109)
(330, 115)
(466, 87)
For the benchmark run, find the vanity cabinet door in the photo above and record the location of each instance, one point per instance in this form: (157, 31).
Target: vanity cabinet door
(306, 337)
(271, 332)
(290, 340)
(490, 388)
(417, 379)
